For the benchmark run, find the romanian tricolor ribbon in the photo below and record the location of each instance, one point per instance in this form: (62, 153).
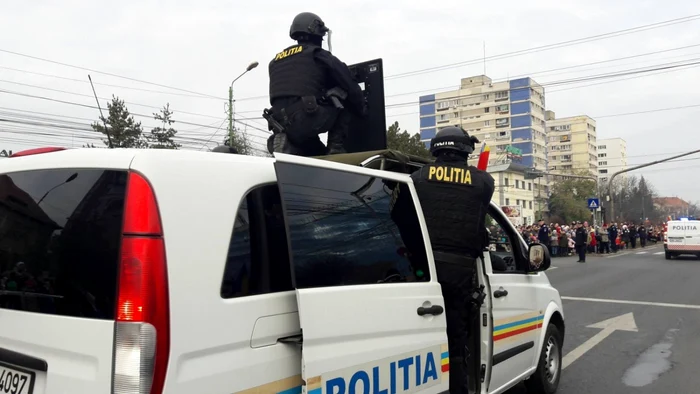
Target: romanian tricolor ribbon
(484, 157)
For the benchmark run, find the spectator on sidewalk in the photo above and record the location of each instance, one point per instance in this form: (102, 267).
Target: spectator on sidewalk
(580, 241)
(604, 240)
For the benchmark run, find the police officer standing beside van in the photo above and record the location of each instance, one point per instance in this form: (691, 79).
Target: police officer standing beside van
(455, 198)
(309, 92)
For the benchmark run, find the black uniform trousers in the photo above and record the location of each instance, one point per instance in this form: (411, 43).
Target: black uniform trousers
(455, 274)
(303, 128)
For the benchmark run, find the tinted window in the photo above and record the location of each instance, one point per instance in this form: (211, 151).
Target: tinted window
(258, 257)
(59, 241)
(342, 232)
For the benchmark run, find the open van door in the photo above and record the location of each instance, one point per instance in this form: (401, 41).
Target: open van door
(371, 310)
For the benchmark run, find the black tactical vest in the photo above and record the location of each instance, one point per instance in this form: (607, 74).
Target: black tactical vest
(295, 73)
(455, 199)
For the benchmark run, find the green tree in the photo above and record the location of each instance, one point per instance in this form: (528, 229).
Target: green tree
(124, 131)
(404, 142)
(569, 199)
(162, 136)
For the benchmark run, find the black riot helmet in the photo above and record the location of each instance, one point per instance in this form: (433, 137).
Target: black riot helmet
(307, 24)
(452, 139)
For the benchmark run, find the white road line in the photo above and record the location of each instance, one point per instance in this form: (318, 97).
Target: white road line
(642, 252)
(661, 304)
(552, 268)
(659, 252)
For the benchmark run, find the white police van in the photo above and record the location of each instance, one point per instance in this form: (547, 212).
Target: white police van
(682, 237)
(147, 271)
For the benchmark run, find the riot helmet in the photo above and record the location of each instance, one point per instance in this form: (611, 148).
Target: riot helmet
(452, 139)
(307, 24)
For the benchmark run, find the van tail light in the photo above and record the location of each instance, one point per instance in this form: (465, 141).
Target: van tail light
(142, 335)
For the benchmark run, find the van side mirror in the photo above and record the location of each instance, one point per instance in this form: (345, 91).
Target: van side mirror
(538, 258)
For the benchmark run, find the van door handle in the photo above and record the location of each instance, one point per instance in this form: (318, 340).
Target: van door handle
(431, 310)
(500, 293)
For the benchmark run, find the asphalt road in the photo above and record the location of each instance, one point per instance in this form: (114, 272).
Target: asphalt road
(663, 298)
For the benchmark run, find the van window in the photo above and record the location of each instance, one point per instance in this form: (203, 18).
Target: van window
(258, 257)
(60, 233)
(342, 232)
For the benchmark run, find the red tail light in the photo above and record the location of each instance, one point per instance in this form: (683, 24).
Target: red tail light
(142, 345)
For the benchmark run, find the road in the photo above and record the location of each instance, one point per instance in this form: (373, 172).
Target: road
(652, 343)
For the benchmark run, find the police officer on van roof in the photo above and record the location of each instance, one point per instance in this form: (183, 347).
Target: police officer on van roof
(455, 198)
(302, 81)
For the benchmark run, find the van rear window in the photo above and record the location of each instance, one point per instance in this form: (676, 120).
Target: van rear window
(60, 234)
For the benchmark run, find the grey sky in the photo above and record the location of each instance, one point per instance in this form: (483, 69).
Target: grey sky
(202, 45)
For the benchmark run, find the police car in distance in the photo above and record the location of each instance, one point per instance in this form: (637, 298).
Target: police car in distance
(157, 271)
(682, 237)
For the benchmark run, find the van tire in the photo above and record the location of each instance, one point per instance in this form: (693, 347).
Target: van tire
(546, 378)
(668, 256)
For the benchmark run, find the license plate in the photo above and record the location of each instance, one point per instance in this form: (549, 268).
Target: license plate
(675, 240)
(15, 380)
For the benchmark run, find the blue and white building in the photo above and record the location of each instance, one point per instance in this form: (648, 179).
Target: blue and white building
(509, 116)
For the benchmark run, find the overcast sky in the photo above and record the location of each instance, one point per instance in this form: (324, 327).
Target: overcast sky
(200, 46)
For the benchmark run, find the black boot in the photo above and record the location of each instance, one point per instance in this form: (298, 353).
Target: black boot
(336, 142)
(280, 143)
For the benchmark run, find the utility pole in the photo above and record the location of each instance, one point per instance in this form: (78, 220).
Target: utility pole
(611, 197)
(230, 115)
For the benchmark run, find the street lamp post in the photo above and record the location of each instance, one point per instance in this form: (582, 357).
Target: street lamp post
(611, 197)
(230, 102)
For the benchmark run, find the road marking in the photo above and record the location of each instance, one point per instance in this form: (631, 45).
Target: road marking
(661, 304)
(659, 252)
(623, 323)
(552, 268)
(642, 252)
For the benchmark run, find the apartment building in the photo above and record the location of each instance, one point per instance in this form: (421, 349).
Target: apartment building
(571, 144)
(517, 196)
(612, 157)
(508, 116)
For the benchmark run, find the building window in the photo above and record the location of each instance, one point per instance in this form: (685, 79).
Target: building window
(529, 187)
(602, 163)
(517, 202)
(605, 179)
(503, 122)
(487, 123)
(603, 171)
(602, 155)
(602, 147)
(565, 127)
(487, 109)
(530, 204)
(505, 183)
(517, 184)
(502, 95)
(502, 109)
(507, 201)
(486, 97)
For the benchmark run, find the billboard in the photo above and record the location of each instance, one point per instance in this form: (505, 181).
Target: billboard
(514, 214)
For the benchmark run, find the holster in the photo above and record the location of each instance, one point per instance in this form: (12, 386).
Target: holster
(309, 104)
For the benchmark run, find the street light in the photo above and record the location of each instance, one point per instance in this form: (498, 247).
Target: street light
(230, 101)
(611, 197)
(70, 179)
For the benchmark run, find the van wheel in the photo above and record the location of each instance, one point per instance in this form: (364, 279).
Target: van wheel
(545, 380)
(668, 256)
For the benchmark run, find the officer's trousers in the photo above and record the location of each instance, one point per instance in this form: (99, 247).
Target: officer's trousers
(302, 129)
(456, 282)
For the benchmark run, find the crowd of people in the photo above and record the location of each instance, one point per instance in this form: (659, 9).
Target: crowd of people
(582, 238)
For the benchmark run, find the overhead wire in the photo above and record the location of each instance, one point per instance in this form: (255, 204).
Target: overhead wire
(104, 73)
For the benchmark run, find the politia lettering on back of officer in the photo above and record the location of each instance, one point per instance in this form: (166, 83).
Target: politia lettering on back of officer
(311, 92)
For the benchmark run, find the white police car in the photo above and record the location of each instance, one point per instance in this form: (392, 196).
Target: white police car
(149, 271)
